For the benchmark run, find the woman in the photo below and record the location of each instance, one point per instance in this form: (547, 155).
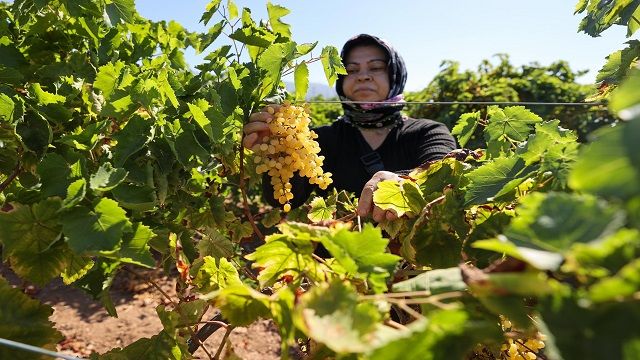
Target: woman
(373, 141)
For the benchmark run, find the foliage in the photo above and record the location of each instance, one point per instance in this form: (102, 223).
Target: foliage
(504, 82)
(114, 152)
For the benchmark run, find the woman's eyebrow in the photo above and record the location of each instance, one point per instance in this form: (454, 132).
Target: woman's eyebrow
(368, 61)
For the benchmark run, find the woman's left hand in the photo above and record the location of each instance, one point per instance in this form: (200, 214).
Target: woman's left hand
(366, 205)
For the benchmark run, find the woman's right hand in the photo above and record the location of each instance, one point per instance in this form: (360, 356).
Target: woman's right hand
(258, 127)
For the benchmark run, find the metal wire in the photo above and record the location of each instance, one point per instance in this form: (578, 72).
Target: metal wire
(37, 350)
(504, 103)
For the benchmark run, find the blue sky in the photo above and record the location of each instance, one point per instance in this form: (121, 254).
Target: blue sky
(427, 32)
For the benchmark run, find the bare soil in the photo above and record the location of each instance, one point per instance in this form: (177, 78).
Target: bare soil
(88, 328)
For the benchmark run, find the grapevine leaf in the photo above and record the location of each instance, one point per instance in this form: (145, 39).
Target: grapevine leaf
(252, 35)
(77, 267)
(186, 314)
(135, 248)
(75, 193)
(42, 266)
(107, 78)
(272, 218)
(555, 221)
(619, 64)
(240, 230)
(614, 151)
(119, 11)
(275, 13)
(401, 197)
(363, 254)
(121, 107)
(99, 229)
(486, 181)
(210, 10)
(233, 9)
(465, 127)
(35, 133)
(332, 315)
(107, 177)
(273, 60)
(6, 108)
(214, 275)
(448, 334)
(301, 78)
(304, 49)
(97, 282)
(215, 244)
(512, 122)
(137, 133)
(625, 100)
(159, 347)
(242, 305)
(24, 320)
(540, 259)
(201, 119)
(608, 256)
(332, 64)
(211, 35)
(54, 175)
(135, 197)
(434, 282)
(30, 228)
(44, 97)
(320, 211)
(283, 255)
(622, 285)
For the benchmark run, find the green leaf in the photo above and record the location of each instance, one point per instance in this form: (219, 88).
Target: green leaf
(613, 151)
(97, 281)
(623, 285)
(272, 218)
(332, 64)
(77, 267)
(201, 119)
(233, 9)
(135, 197)
(304, 49)
(31, 228)
(301, 79)
(107, 78)
(119, 11)
(35, 133)
(283, 255)
(134, 136)
(275, 13)
(135, 248)
(107, 177)
(555, 221)
(619, 64)
(242, 305)
(540, 259)
(24, 320)
(320, 211)
(252, 35)
(512, 122)
(6, 108)
(465, 127)
(210, 10)
(42, 266)
(625, 100)
(159, 347)
(215, 244)
(273, 60)
(75, 193)
(364, 254)
(54, 175)
(401, 197)
(488, 180)
(100, 229)
(434, 282)
(214, 275)
(212, 34)
(332, 315)
(44, 97)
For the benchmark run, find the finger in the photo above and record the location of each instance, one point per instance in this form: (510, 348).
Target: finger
(253, 127)
(261, 116)
(391, 215)
(250, 140)
(378, 214)
(366, 200)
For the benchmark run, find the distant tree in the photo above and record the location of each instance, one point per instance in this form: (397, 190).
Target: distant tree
(505, 82)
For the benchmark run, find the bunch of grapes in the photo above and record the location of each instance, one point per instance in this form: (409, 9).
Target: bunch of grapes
(291, 148)
(520, 349)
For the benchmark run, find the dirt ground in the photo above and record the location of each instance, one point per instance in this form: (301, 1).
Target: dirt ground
(88, 328)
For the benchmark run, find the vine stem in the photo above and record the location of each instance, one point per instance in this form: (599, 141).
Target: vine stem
(245, 201)
(223, 342)
(173, 303)
(11, 177)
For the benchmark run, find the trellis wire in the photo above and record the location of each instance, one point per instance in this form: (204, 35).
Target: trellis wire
(504, 103)
(37, 350)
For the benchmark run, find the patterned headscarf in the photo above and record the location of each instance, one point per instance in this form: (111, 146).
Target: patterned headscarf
(375, 115)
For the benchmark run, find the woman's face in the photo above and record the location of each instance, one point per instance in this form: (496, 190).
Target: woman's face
(367, 76)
